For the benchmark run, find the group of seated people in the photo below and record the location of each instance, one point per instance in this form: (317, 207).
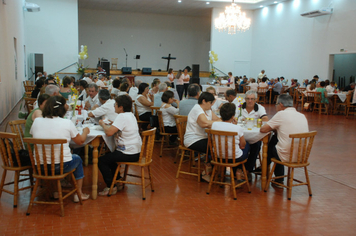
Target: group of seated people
(47, 120)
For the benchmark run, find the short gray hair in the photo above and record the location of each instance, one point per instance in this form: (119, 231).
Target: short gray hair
(104, 94)
(94, 86)
(251, 92)
(162, 87)
(193, 90)
(137, 83)
(286, 100)
(52, 89)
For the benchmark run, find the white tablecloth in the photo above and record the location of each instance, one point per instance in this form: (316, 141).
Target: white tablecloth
(218, 89)
(95, 131)
(342, 96)
(254, 135)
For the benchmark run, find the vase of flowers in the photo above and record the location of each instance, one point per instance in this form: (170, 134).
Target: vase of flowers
(213, 57)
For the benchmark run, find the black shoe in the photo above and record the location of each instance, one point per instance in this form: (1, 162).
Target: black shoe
(257, 170)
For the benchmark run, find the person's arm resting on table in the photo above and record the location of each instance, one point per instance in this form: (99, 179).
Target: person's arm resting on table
(109, 130)
(80, 138)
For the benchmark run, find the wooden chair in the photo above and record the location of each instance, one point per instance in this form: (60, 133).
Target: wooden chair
(29, 103)
(139, 122)
(145, 160)
(177, 154)
(219, 149)
(310, 99)
(165, 136)
(18, 127)
(28, 82)
(29, 88)
(246, 88)
(113, 96)
(154, 110)
(114, 63)
(28, 94)
(302, 156)
(286, 89)
(318, 105)
(47, 171)
(299, 99)
(181, 126)
(262, 94)
(339, 106)
(350, 109)
(8, 164)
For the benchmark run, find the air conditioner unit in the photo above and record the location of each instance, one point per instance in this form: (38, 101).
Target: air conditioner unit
(321, 12)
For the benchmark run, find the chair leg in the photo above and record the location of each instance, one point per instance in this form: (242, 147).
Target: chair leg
(33, 195)
(270, 177)
(211, 179)
(125, 174)
(60, 199)
(150, 176)
(76, 187)
(308, 181)
(16, 187)
(199, 170)
(290, 184)
(246, 178)
(176, 157)
(143, 183)
(180, 163)
(30, 172)
(233, 184)
(162, 141)
(2, 181)
(114, 180)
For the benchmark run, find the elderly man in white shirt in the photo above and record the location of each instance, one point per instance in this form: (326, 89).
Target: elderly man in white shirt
(87, 78)
(107, 109)
(251, 109)
(262, 74)
(100, 81)
(92, 101)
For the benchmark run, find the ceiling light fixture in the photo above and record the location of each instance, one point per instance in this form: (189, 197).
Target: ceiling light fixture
(232, 20)
(261, 5)
(207, 3)
(179, 0)
(275, 2)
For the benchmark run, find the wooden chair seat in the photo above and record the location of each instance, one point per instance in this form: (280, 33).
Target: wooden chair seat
(145, 160)
(304, 147)
(47, 174)
(219, 149)
(9, 165)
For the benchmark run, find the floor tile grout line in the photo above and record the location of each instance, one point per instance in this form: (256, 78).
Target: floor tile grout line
(332, 180)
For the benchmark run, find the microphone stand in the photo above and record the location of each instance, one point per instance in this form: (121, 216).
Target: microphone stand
(126, 56)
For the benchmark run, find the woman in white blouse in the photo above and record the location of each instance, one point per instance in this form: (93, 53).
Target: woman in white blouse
(144, 101)
(154, 86)
(53, 126)
(124, 87)
(200, 118)
(170, 76)
(186, 79)
(168, 112)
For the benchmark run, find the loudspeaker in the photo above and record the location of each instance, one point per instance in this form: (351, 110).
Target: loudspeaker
(106, 66)
(146, 71)
(126, 70)
(195, 73)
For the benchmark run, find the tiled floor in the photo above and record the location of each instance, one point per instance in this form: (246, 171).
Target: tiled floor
(182, 207)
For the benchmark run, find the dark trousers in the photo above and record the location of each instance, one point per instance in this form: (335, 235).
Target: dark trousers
(145, 117)
(274, 93)
(252, 157)
(172, 85)
(170, 129)
(272, 153)
(180, 91)
(108, 163)
(243, 157)
(200, 146)
(186, 89)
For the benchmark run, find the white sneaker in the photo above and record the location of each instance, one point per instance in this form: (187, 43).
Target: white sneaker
(84, 197)
(106, 191)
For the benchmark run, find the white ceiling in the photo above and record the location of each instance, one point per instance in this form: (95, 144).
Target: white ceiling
(170, 7)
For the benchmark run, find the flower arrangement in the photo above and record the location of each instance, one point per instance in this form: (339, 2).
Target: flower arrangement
(83, 54)
(74, 98)
(240, 101)
(213, 57)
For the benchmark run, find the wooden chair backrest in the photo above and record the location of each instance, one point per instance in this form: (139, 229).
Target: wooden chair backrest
(317, 97)
(48, 167)
(18, 127)
(181, 122)
(304, 147)
(262, 90)
(29, 101)
(28, 82)
(6, 148)
(310, 96)
(219, 148)
(160, 121)
(301, 89)
(29, 88)
(28, 94)
(113, 95)
(136, 112)
(148, 141)
(114, 60)
(154, 110)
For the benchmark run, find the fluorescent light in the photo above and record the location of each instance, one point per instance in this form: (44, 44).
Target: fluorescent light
(207, 3)
(261, 5)
(179, 0)
(275, 2)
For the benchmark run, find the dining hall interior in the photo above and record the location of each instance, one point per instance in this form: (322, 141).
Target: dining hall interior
(279, 41)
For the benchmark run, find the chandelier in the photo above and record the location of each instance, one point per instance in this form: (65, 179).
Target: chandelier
(232, 20)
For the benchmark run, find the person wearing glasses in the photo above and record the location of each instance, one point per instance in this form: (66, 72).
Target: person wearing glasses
(251, 109)
(286, 121)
